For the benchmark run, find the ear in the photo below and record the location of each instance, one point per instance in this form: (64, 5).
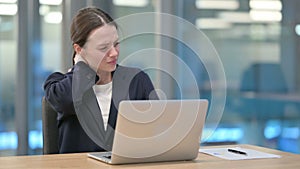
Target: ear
(77, 48)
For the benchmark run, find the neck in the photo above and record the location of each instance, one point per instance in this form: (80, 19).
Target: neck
(105, 77)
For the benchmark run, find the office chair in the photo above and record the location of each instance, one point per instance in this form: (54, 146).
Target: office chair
(264, 78)
(50, 129)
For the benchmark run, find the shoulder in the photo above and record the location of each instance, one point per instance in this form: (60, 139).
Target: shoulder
(57, 76)
(129, 74)
(126, 69)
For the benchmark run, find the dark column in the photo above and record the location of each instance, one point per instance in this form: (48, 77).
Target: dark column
(28, 52)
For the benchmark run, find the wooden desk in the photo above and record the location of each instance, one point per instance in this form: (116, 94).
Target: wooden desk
(81, 161)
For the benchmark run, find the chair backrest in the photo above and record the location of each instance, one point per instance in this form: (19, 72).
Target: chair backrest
(264, 77)
(50, 129)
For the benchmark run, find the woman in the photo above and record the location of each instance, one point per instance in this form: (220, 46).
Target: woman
(87, 97)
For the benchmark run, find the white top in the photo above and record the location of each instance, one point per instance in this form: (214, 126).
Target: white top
(104, 94)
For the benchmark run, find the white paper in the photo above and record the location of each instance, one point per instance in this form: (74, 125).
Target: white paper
(225, 154)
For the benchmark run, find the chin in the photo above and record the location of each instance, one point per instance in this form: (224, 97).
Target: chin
(109, 68)
(113, 68)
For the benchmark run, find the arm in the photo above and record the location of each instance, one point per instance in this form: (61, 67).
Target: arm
(60, 89)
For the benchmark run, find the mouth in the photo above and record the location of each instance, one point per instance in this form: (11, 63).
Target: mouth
(113, 62)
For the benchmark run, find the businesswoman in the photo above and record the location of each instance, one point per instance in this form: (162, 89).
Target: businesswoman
(87, 97)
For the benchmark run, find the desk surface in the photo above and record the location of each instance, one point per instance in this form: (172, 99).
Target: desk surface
(80, 161)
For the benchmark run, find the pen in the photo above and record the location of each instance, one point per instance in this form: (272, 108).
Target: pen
(237, 151)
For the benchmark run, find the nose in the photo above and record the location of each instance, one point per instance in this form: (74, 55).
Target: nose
(114, 51)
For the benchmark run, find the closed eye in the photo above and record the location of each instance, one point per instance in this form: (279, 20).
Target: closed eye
(104, 48)
(116, 44)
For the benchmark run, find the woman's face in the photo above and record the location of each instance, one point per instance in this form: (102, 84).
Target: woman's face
(102, 48)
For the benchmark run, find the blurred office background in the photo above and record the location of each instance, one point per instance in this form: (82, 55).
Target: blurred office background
(257, 41)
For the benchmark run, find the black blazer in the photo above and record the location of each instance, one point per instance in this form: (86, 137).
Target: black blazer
(80, 121)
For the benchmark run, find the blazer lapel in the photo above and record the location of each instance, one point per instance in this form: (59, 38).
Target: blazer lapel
(90, 118)
(120, 91)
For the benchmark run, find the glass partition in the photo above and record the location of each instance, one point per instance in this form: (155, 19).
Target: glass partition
(8, 70)
(50, 13)
(262, 104)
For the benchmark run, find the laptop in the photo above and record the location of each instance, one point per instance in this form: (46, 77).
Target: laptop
(156, 131)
